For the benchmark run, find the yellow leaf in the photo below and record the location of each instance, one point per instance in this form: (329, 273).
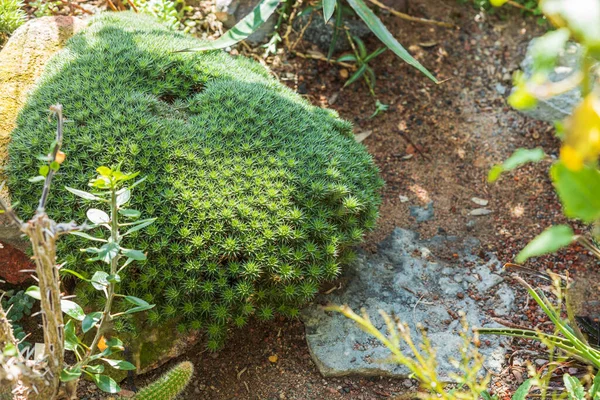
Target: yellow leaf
(273, 358)
(582, 134)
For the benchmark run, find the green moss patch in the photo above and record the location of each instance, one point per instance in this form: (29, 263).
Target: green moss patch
(259, 195)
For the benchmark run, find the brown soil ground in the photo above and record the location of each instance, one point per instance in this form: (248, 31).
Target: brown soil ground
(435, 143)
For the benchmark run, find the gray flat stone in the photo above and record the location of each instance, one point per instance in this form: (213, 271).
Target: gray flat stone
(418, 291)
(422, 214)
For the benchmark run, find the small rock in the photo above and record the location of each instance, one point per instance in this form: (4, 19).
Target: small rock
(403, 199)
(479, 201)
(540, 362)
(344, 73)
(302, 89)
(422, 214)
(480, 211)
(500, 88)
(407, 383)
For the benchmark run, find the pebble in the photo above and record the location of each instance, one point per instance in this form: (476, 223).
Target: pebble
(480, 211)
(407, 383)
(500, 88)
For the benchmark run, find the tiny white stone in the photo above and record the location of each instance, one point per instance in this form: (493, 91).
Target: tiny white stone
(480, 211)
(403, 199)
(479, 201)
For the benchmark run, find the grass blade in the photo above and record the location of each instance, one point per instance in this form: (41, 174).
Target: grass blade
(328, 9)
(375, 24)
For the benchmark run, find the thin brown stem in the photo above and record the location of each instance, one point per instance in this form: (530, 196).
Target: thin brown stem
(410, 17)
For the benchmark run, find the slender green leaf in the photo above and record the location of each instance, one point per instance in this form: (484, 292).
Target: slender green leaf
(249, 24)
(328, 9)
(120, 364)
(72, 309)
(595, 389)
(347, 58)
(130, 213)
(106, 383)
(82, 194)
(336, 31)
(141, 305)
(523, 390)
(141, 225)
(356, 75)
(87, 236)
(135, 254)
(379, 29)
(574, 387)
(374, 54)
(362, 49)
(74, 273)
(549, 241)
(579, 191)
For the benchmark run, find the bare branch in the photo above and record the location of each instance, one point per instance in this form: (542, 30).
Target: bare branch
(56, 109)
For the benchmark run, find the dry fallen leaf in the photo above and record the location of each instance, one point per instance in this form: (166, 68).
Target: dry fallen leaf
(359, 137)
(273, 358)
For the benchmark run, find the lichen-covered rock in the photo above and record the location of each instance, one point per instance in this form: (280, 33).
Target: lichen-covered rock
(22, 61)
(259, 196)
(405, 279)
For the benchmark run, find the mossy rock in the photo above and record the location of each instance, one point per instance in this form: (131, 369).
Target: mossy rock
(259, 195)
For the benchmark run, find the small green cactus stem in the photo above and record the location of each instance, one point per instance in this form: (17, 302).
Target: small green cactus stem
(168, 386)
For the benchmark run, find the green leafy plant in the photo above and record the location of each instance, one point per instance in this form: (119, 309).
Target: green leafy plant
(420, 358)
(168, 12)
(11, 17)
(258, 201)
(266, 8)
(43, 8)
(575, 175)
(361, 58)
(17, 306)
(47, 377)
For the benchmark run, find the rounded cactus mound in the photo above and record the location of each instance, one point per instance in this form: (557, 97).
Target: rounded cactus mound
(259, 195)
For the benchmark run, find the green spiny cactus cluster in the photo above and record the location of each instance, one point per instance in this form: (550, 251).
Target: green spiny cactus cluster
(11, 17)
(259, 195)
(168, 386)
